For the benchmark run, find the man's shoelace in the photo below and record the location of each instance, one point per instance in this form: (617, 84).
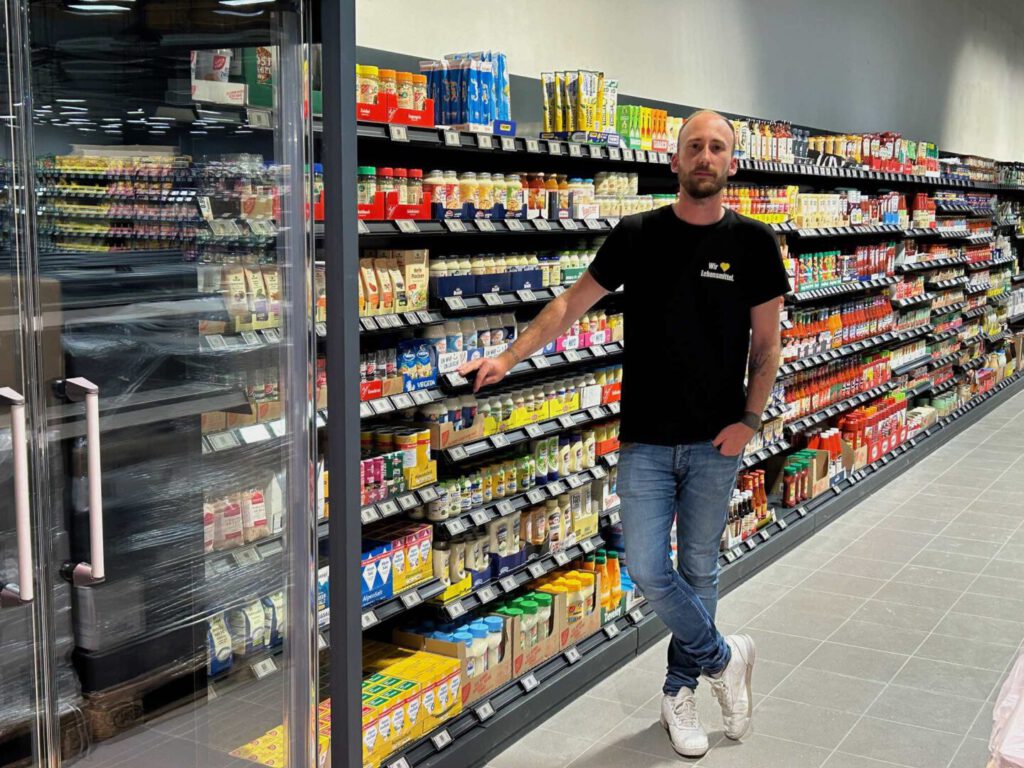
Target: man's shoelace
(685, 711)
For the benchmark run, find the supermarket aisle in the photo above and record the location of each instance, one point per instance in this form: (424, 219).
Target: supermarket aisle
(881, 641)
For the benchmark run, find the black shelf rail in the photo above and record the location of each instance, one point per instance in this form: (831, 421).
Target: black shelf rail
(972, 365)
(974, 266)
(510, 582)
(489, 446)
(938, 338)
(817, 294)
(949, 308)
(1018, 278)
(922, 266)
(945, 285)
(945, 360)
(913, 365)
(1014, 319)
(854, 230)
(397, 321)
(403, 401)
(913, 301)
(408, 229)
(854, 348)
(806, 422)
(373, 615)
(510, 505)
(765, 453)
(970, 314)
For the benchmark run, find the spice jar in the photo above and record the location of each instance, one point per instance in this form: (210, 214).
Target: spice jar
(415, 186)
(388, 81)
(366, 188)
(367, 84)
(404, 82)
(419, 91)
(402, 185)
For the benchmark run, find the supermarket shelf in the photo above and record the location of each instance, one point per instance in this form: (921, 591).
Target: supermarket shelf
(926, 265)
(942, 234)
(913, 301)
(943, 361)
(455, 382)
(911, 366)
(809, 169)
(1013, 319)
(953, 207)
(492, 444)
(400, 502)
(253, 434)
(974, 290)
(510, 505)
(454, 305)
(981, 240)
(890, 337)
(774, 411)
(972, 365)
(957, 307)
(1019, 278)
(934, 391)
(998, 338)
(517, 577)
(843, 289)
(447, 139)
(492, 722)
(999, 300)
(945, 285)
(805, 422)
(974, 266)
(976, 312)
(801, 523)
(410, 598)
(409, 229)
(417, 319)
(400, 402)
(763, 454)
(843, 231)
(937, 338)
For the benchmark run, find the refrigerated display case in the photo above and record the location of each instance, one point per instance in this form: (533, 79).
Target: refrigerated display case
(157, 355)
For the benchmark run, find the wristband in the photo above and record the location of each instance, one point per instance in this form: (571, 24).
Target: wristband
(752, 420)
(515, 355)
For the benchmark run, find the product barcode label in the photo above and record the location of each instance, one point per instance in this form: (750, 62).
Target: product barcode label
(572, 355)
(614, 518)
(411, 599)
(529, 682)
(499, 441)
(536, 496)
(534, 430)
(479, 517)
(452, 139)
(567, 421)
(536, 570)
(612, 630)
(455, 610)
(245, 557)
(587, 545)
(398, 133)
(441, 740)
(561, 558)
(596, 152)
(505, 507)
(636, 615)
(484, 711)
(388, 508)
(532, 145)
(402, 401)
(264, 668)
(492, 299)
(399, 763)
(554, 148)
(508, 144)
(484, 225)
(614, 154)
(509, 583)
(542, 224)
(454, 225)
(514, 225)
(361, 227)
(485, 141)
(455, 302)
(369, 619)
(408, 226)
(572, 655)
(486, 594)
(525, 294)
(575, 150)
(568, 224)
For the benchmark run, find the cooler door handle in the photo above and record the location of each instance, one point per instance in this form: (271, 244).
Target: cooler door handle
(24, 591)
(94, 571)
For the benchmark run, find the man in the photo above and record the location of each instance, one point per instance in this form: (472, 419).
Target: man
(702, 292)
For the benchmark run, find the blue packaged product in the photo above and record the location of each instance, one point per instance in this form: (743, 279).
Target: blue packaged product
(502, 87)
(487, 113)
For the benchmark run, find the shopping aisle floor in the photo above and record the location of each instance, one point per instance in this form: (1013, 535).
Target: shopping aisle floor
(882, 641)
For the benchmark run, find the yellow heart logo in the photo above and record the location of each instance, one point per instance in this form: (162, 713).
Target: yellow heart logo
(725, 266)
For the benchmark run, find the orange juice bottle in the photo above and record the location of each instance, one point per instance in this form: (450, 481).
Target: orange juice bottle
(550, 185)
(563, 192)
(602, 570)
(590, 564)
(614, 577)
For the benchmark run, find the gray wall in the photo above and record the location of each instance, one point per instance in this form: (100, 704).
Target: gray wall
(949, 71)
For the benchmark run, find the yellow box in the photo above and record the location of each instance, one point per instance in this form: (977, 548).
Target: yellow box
(417, 477)
(457, 589)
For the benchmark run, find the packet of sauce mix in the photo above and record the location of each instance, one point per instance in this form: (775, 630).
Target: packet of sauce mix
(370, 289)
(218, 645)
(417, 273)
(397, 285)
(257, 293)
(227, 522)
(387, 296)
(254, 515)
(248, 634)
(272, 281)
(235, 297)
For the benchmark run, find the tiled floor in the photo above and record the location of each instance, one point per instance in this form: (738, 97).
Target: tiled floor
(882, 641)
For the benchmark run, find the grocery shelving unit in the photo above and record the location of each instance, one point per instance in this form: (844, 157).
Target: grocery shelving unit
(501, 716)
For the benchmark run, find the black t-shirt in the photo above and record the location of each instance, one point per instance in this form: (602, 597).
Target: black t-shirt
(688, 294)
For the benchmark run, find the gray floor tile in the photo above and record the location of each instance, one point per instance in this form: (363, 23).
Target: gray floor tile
(644, 734)
(914, 594)
(892, 553)
(602, 755)
(585, 718)
(629, 686)
(926, 709)
(981, 628)
(542, 748)
(737, 613)
(789, 720)
(957, 546)
(899, 616)
(829, 690)
(935, 578)
(972, 754)
(861, 567)
(882, 537)
(804, 599)
(803, 622)
(989, 606)
(1004, 569)
(982, 728)
(904, 744)
(970, 653)
(953, 679)
(951, 562)
(843, 584)
(879, 637)
(843, 760)
(781, 647)
(992, 585)
(763, 751)
(901, 522)
(807, 557)
(768, 674)
(856, 662)
(966, 526)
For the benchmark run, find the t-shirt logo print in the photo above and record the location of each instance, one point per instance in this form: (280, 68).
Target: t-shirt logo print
(718, 270)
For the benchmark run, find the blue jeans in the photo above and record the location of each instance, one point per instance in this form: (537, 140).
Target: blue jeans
(691, 485)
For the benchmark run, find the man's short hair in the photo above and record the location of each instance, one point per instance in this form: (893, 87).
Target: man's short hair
(700, 112)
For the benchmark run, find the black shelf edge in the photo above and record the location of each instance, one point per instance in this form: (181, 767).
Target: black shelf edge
(805, 422)
(957, 307)
(765, 453)
(860, 230)
(987, 264)
(945, 285)
(933, 264)
(972, 365)
(1013, 319)
(936, 338)
(1019, 278)
(540, 365)
(403, 401)
(912, 365)
(945, 360)
(970, 314)
(479, 516)
(487, 446)
(817, 294)
(511, 581)
(804, 521)
(854, 348)
(372, 615)
(397, 321)
(913, 301)
(409, 229)
(398, 503)
(998, 338)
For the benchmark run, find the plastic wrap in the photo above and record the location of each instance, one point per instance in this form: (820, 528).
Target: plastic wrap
(1007, 742)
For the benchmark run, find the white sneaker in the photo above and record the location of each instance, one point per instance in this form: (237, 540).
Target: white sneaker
(732, 686)
(679, 717)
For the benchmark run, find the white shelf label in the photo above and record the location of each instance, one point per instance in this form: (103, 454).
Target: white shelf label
(402, 401)
(441, 740)
(454, 225)
(575, 150)
(455, 302)
(421, 396)
(572, 355)
(614, 153)
(388, 508)
(408, 226)
(244, 557)
(572, 655)
(536, 496)
(574, 481)
(627, 155)
(505, 507)
(486, 595)
(499, 441)
(525, 294)
(264, 668)
(614, 518)
(485, 141)
(398, 133)
(561, 558)
(540, 361)
(455, 610)
(534, 430)
(399, 763)
(529, 682)
(221, 441)
(479, 517)
(554, 148)
(532, 145)
(369, 619)
(452, 139)
(567, 421)
(361, 227)
(596, 412)
(514, 225)
(411, 599)
(492, 299)
(508, 144)
(596, 152)
(484, 711)
(568, 224)
(369, 515)
(484, 225)
(536, 570)
(542, 225)
(587, 545)
(612, 630)
(509, 583)
(381, 405)
(636, 615)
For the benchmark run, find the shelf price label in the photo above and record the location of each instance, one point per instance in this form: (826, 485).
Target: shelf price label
(529, 682)
(598, 472)
(398, 133)
(627, 155)
(411, 599)
(408, 226)
(264, 668)
(611, 631)
(508, 144)
(568, 224)
(492, 299)
(509, 584)
(596, 152)
(479, 517)
(361, 227)
(536, 570)
(592, 224)
(484, 225)
(452, 139)
(525, 294)
(402, 400)
(399, 763)
(575, 150)
(485, 141)
(505, 508)
(532, 145)
(514, 225)
(486, 595)
(536, 496)
(499, 441)
(561, 558)
(572, 655)
(454, 225)
(407, 501)
(614, 153)
(542, 225)
(614, 518)
(441, 740)
(484, 712)
(534, 430)
(587, 546)
(369, 619)
(455, 610)
(554, 148)
(455, 302)
(567, 421)
(636, 615)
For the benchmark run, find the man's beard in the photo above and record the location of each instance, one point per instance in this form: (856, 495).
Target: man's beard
(700, 188)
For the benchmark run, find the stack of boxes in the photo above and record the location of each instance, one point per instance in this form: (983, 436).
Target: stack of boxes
(392, 281)
(397, 556)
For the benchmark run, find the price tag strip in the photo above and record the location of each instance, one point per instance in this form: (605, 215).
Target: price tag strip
(529, 682)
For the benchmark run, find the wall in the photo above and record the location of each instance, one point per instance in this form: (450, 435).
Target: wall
(948, 71)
